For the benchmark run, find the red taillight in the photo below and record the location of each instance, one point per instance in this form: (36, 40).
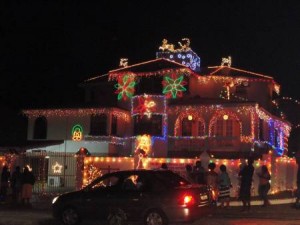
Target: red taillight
(187, 200)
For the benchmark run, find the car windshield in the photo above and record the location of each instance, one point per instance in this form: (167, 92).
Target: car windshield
(171, 179)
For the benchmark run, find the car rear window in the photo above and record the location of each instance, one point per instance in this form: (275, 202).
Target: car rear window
(171, 179)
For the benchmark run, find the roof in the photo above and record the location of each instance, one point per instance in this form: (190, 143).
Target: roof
(231, 72)
(150, 67)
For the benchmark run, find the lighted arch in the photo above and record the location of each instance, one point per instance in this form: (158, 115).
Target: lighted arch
(183, 115)
(220, 114)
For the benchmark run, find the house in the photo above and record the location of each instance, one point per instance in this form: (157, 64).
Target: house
(167, 108)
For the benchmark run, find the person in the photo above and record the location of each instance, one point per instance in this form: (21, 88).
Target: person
(224, 187)
(297, 203)
(211, 179)
(264, 184)
(199, 173)
(16, 184)
(164, 166)
(246, 175)
(5, 178)
(189, 173)
(28, 181)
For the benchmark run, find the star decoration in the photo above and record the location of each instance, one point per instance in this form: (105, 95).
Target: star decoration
(125, 86)
(57, 168)
(173, 86)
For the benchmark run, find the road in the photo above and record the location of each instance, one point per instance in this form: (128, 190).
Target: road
(273, 215)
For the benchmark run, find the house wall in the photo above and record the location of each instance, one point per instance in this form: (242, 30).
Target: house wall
(257, 91)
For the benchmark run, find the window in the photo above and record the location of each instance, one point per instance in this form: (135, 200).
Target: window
(40, 128)
(226, 128)
(106, 182)
(114, 125)
(98, 125)
(145, 125)
(187, 127)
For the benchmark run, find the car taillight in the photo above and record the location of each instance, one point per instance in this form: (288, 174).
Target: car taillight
(187, 200)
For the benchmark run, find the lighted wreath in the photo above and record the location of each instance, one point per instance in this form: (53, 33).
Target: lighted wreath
(173, 85)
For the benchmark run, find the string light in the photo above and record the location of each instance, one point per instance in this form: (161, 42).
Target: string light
(173, 85)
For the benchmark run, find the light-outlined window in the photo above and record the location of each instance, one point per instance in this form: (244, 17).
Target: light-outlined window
(40, 128)
(226, 128)
(186, 127)
(98, 125)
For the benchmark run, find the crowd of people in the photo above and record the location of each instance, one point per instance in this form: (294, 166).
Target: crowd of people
(220, 183)
(17, 185)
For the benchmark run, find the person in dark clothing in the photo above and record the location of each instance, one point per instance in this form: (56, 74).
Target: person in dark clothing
(16, 184)
(199, 173)
(5, 178)
(246, 175)
(264, 184)
(28, 181)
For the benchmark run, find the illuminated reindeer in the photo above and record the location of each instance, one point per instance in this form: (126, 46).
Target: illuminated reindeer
(166, 47)
(186, 44)
(226, 61)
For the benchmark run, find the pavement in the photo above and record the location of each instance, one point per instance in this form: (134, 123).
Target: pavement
(39, 212)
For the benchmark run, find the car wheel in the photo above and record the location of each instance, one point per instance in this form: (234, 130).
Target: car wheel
(70, 216)
(155, 217)
(117, 217)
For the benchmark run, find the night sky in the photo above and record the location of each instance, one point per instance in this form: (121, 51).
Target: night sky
(48, 47)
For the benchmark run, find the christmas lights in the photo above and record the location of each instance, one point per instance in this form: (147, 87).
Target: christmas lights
(57, 168)
(125, 86)
(173, 85)
(119, 113)
(77, 132)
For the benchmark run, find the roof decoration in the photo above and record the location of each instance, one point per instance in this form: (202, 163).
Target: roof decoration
(226, 61)
(123, 62)
(125, 86)
(183, 55)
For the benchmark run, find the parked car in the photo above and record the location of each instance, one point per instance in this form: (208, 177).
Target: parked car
(147, 196)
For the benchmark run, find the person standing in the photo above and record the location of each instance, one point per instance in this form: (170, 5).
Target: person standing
(199, 173)
(189, 173)
(28, 181)
(264, 184)
(224, 187)
(5, 178)
(16, 184)
(211, 178)
(246, 175)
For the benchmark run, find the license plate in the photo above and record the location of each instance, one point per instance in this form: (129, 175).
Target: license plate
(204, 197)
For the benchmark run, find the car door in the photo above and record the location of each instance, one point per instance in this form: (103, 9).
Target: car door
(97, 200)
(133, 200)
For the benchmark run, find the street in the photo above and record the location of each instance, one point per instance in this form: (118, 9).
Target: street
(273, 215)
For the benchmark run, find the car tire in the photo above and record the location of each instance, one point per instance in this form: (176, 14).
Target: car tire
(70, 216)
(155, 217)
(117, 217)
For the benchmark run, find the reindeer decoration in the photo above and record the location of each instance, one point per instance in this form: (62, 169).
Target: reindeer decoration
(123, 62)
(226, 61)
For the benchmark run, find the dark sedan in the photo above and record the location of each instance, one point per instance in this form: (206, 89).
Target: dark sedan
(148, 196)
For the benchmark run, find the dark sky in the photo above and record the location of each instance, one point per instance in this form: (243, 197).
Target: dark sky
(48, 47)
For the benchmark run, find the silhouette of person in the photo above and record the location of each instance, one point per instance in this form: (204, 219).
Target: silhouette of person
(16, 184)
(264, 184)
(199, 173)
(224, 186)
(5, 177)
(164, 166)
(246, 175)
(28, 181)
